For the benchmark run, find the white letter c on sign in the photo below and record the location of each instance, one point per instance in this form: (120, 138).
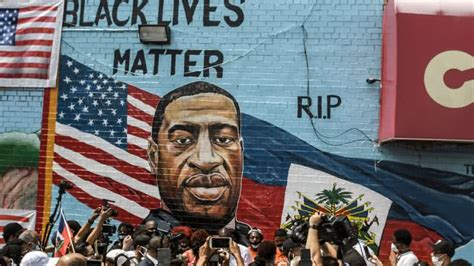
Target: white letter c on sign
(434, 79)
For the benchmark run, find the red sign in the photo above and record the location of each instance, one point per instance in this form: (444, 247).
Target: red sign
(428, 72)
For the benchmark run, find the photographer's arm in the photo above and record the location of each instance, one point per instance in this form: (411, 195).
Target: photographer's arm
(235, 250)
(79, 237)
(204, 253)
(104, 214)
(312, 241)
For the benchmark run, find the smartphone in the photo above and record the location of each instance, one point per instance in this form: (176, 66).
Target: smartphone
(220, 242)
(94, 263)
(367, 252)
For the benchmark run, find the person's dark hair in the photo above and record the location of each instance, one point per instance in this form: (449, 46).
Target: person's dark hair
(141, 240)
(74, 225)
(12, 229)
(81, 248)
(13, 250)
(3, 261)
(281, 232)
(266, 250)
(460, 262)
(421, 263)
(187, 90)
(128, 226)
(402, 236)
(198, 238)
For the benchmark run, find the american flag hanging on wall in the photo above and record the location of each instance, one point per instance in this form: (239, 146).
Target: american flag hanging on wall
(30, 35)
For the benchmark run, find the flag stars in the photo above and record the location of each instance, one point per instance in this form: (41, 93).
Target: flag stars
(69, 63)
(119, 121)
(82, 82)
(80, 101)
(119, 142)
(98, 87)
(67, 80)
(114, 111)
(73, 89)
(95, 103)
(64, 96)
(91, 122)
(90, 95)
(123, 87)
(102, 96)
(100, 113)
(71, 106)
(109, 89)
(112, 133)
(96, 132)
(85, 109)
(88, 87)
(105, 81)
(100, 76)
(105, 122)
(116, 94)
(94, 81)
(108, 102)
(122, 102)
(91, 76)
(76, 70)
(77, 117)
(61, 115)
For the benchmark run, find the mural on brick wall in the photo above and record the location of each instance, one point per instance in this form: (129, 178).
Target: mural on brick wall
(19, 156)
(190, 157)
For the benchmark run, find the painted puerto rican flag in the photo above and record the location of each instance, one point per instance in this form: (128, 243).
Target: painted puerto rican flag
(26, 218)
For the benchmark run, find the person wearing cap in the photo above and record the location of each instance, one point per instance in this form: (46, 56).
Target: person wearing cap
(292, 250)
(443, 251)
(255, 237)
(35, 258)
(12, 231)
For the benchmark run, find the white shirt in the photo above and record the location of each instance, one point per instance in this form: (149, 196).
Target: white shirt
(407, 259)
(245, 255)
(359, 247)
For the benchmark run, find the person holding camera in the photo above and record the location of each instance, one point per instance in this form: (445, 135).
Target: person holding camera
(222, 256)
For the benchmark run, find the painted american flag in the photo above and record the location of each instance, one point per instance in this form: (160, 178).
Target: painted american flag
(102, 126)
(29, 42)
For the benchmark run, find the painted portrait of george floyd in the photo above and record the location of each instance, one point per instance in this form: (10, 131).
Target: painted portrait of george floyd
(195, 153)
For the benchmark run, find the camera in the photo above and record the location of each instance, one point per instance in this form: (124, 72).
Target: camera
(338, 230)
(109, 229)
(106, 205)
(334, 229)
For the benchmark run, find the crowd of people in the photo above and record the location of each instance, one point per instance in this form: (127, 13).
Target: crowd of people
(148, 244)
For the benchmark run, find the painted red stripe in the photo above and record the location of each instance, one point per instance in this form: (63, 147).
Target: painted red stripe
(24, 65)
(139, 114)
(34, 42)
(92, 202)
(2, 241)
(25, 54)
(42, 161)
(253, 210)
(138, 151)
(144, 96)
(109, 184)
(138, 132)
(102, 157)
(14, 218)
(36, 19)
(24, 75)
(39, 8)
(34, 30)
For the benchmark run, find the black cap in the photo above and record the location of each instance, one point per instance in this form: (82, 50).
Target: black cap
(443, 247)
(11, 229)
(289, 244)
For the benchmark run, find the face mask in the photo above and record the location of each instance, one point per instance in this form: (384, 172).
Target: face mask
(394, 248)
(255, 246)
(122, 236)
(436, 261)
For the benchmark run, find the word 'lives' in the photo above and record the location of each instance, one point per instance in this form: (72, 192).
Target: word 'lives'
(131, 12)
(316, 110)
(146, 61)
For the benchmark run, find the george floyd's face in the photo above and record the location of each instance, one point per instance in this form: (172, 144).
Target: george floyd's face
(197, 158)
